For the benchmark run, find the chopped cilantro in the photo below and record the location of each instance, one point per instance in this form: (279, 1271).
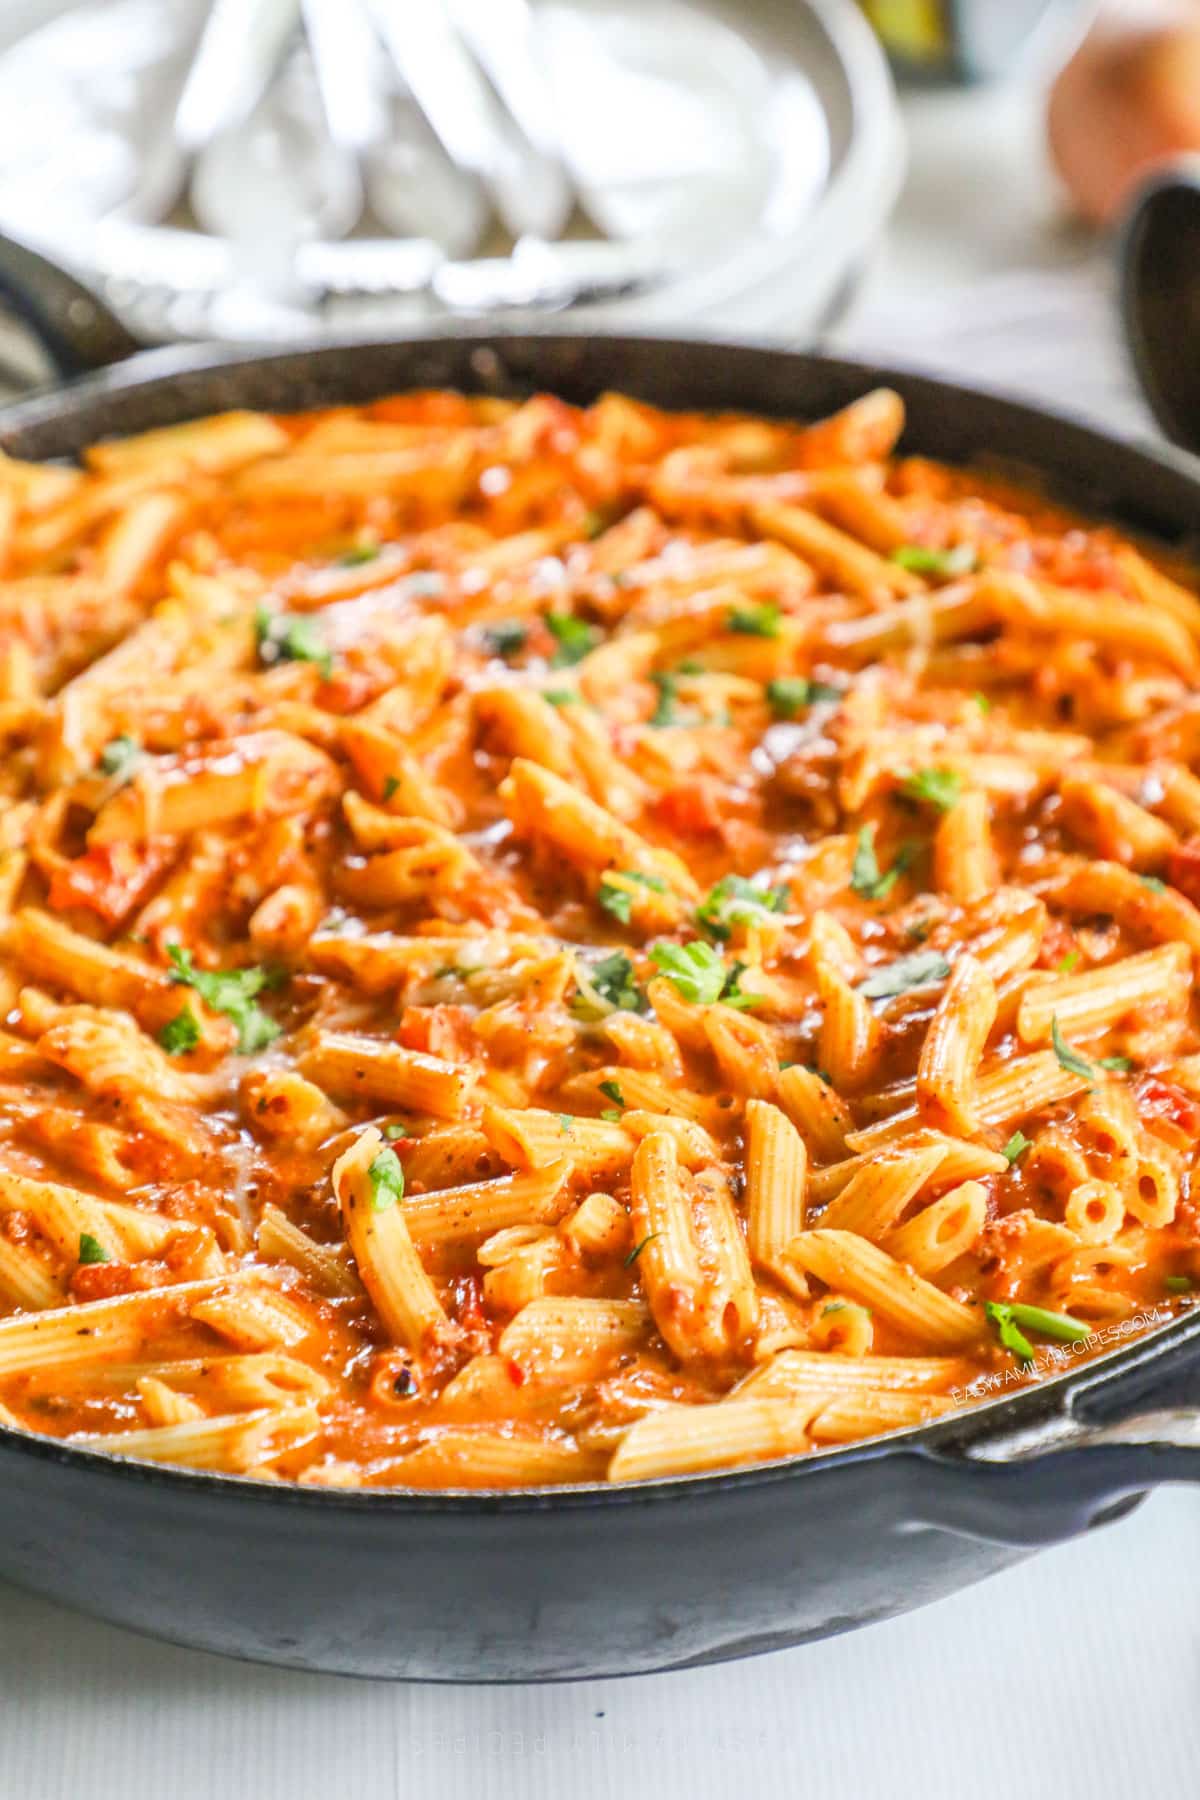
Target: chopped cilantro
(180, 1034)
(699, 974)
(736, 900)
(1120, 1065)
(961, 560)
(922, 968)
(1016, 1147)
(1069, 1058)
(565, 1122)
(1010, 1335)
(617, 899)
(666, 710)
(395, 1130)
(357, 553)
(91, 1250)
(232, 992)
(611, 1115)
(612, 1091)
(1178, 1284)
(934, 787)
(291, 637)
(575, 637)
(865, 876)
(789, 694)
(638, 1248)
(120, 757)
(1067, 964)
(606, 986)
(760, 620)
(387, 1180)
(391, 785)
(506, 637)
(560, 696)
(1154, 883)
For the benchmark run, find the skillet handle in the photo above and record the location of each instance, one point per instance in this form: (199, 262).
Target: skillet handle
(73, 326)
(1047, 1495)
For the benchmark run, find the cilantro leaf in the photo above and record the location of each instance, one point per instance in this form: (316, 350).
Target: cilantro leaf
(232, 992)
(612, 1091)
(617, 899)
(357, 553)
(935, 787)
(506, 637)
(1120, 1065)
(699, 974)
(291, 637)
(1016, 1147)
(761, 620)
(1154, 883)
(638, 1248)
(575, 637)
(91, 1250)
(120, 757)
(736, 900)
(606, 986)
(789, 694)
(865, 876)
(923, 968)
(961, 560)
(1069, 1058)
(1178, 1284)
(666, 710)
(561, 696)
(180, 1034)
(387, 1180)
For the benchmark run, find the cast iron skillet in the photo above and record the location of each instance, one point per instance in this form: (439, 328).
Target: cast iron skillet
(595, 1581)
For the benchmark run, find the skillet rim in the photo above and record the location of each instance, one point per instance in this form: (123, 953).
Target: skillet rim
(955, 1436)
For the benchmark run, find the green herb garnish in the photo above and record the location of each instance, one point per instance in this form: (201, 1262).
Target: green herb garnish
(1120, 1065)
(180, 1034)
(789, 694)
(1154, 883)
(612, 1091)
(560, 696)
(638, 1248)
(606, 986)
(1067, 964)
(923, 968)
(91, 1250)
(1016, 1147)
(232, 992)
(357, 553)
(736, 900)
(1178, 1284)
(865, 876)
(575, 637)
(291, 637)
(961, 560)
(618, 900)
(387, 1180)
(1069, 1058)
(506, 637)
(120, 757)
(760, 620)
(666, 710)
(391, 785)
(1009, 1317)
(698, 973)
(941, 788)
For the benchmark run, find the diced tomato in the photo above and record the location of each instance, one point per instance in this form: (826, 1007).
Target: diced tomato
(1170, 1104)
(439, 1030)
(1183, 869)
(111, 879)
(103, 1281)
(693, 809)
(516, 1373)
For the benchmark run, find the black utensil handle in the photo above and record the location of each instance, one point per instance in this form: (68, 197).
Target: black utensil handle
(74, 327)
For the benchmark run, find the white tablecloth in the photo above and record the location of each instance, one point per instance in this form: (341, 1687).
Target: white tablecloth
(1073, 1674)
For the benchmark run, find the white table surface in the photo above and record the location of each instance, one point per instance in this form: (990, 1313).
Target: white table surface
(1075, 1673)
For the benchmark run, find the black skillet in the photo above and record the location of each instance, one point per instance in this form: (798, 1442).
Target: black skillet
(545, 1584)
